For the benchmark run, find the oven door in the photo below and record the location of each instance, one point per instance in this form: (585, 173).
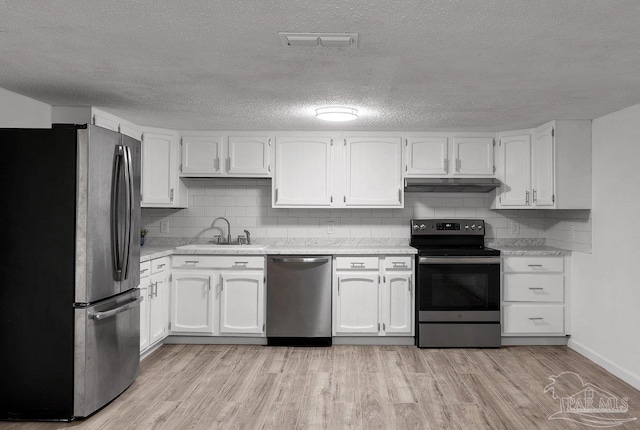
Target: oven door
(458, 289)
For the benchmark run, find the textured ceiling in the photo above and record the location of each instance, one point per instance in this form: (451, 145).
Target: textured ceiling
(420, 65)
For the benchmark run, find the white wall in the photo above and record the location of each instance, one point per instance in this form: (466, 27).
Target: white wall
(18, 111)
(605, 298)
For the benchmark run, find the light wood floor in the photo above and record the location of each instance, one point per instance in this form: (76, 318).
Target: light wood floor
(364, 387)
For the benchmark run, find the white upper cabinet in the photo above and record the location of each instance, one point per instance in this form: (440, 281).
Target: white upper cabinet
(473, 156)
(216, 155)
(543, 167)
(201, 155)
(427, 156)
(373, 172)
(515, 170)
(161, 186)
(249, 156)
(302, 172)
(546, 168)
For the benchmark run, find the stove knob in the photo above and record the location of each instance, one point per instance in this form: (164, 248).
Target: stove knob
(479, 226)
(473, 227)
(415, 226)
(466, 227)
(422, 227)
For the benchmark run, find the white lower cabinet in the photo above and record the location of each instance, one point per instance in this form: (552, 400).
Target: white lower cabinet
(534, 296)
(192, 302)
(242, 303)
(373, 296)
(154, 309)
(218, 295)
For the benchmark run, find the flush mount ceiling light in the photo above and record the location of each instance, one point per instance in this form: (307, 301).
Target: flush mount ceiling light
(336, 113)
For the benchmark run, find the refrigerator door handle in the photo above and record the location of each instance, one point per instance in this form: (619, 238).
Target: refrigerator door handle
(128, 179)
(115, 311)
(115, 219)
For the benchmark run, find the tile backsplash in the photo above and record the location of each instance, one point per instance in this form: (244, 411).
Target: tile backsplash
(246, 203)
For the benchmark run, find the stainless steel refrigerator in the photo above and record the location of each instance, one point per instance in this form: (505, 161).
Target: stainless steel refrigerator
(69, 297)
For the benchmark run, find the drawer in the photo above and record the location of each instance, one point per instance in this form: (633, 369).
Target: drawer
(533, 264)
(145, 269)
(535, 287)
(356, 263)
(218, 262)
(533, 319)
(159, 265)
(401, 262)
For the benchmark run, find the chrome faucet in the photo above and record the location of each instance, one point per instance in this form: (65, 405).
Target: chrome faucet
(248, 237)
(228, 227)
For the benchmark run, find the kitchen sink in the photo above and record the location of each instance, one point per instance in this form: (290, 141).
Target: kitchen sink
(206, 246)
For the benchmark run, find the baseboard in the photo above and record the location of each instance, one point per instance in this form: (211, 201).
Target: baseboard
(627, 376)
(150, 351)
(215, 340)
(374, 340)
(540, 340)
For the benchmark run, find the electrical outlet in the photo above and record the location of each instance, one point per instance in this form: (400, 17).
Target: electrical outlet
(164, 226)
(331, 225)
(515, 228)
(572, 231)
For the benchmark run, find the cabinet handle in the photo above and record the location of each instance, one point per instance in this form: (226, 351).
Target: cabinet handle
(269, 142)
(536, 288)
(526, 198)
(210, 282)
(338, 286)
(160, 266)
(534, 265)
(378, 326)
(384, 278)
(216, 164)
(535, 197)
(384, 327)
(331, 199)
(356, 264)
(269, 168)
(240, 263)
(400, 194)
(537, 319)
(221, 283)
(171, 194)
(344, 199)
(228, 164)
(406, 167)
(143, 270)
(458, 164)
(191, 262)
(410, 282)
(446, 165)
(399, 264)
(276, 199)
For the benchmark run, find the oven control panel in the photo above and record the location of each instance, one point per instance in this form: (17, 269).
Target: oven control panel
(447, 227)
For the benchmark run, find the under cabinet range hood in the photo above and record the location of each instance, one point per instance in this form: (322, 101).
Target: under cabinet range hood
(450, 185)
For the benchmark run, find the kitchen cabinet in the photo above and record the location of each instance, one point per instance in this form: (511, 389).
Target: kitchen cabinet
(218, 295)
(548, 167)
(373, 172)
(303, 172)
(154, 308)
(473, 156)
(242, 303)
(427, 157)
(534, 297)
(325, 172)
(160, 182)
(373, 296)
(215, 155)
(192, 302)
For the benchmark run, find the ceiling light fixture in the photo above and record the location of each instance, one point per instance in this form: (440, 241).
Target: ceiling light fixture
(336, 113)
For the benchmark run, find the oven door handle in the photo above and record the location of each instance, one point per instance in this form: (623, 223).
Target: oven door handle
(459, 260)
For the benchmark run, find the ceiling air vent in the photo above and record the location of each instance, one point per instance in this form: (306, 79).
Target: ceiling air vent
(326, 40)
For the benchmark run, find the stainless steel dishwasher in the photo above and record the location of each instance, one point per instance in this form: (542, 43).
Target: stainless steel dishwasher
(299, 300)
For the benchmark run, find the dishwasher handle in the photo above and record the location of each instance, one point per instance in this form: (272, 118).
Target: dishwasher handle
(301, 260)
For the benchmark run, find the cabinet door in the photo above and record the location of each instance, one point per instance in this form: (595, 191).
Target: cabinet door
(543, 167)
(158, 307)
(374, 172)
(249, 156)
(396, 303)
(192, 303)
(515, 157)
(158, 186)
(242, 303)
(473, 156)
(302, 174)
(201, 155)
(144, 313)
(427, 156)
(357, 300)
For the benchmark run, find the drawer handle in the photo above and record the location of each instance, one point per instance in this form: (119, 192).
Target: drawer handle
(144, 270)
(238, 263)
(160, 266)
(536, 319)
(357, 264)
(535, 265)
(193, 262)
(536, 288)
(399, 264)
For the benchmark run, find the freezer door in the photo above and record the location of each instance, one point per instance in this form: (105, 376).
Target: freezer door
(107, 345)
(104, 205)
